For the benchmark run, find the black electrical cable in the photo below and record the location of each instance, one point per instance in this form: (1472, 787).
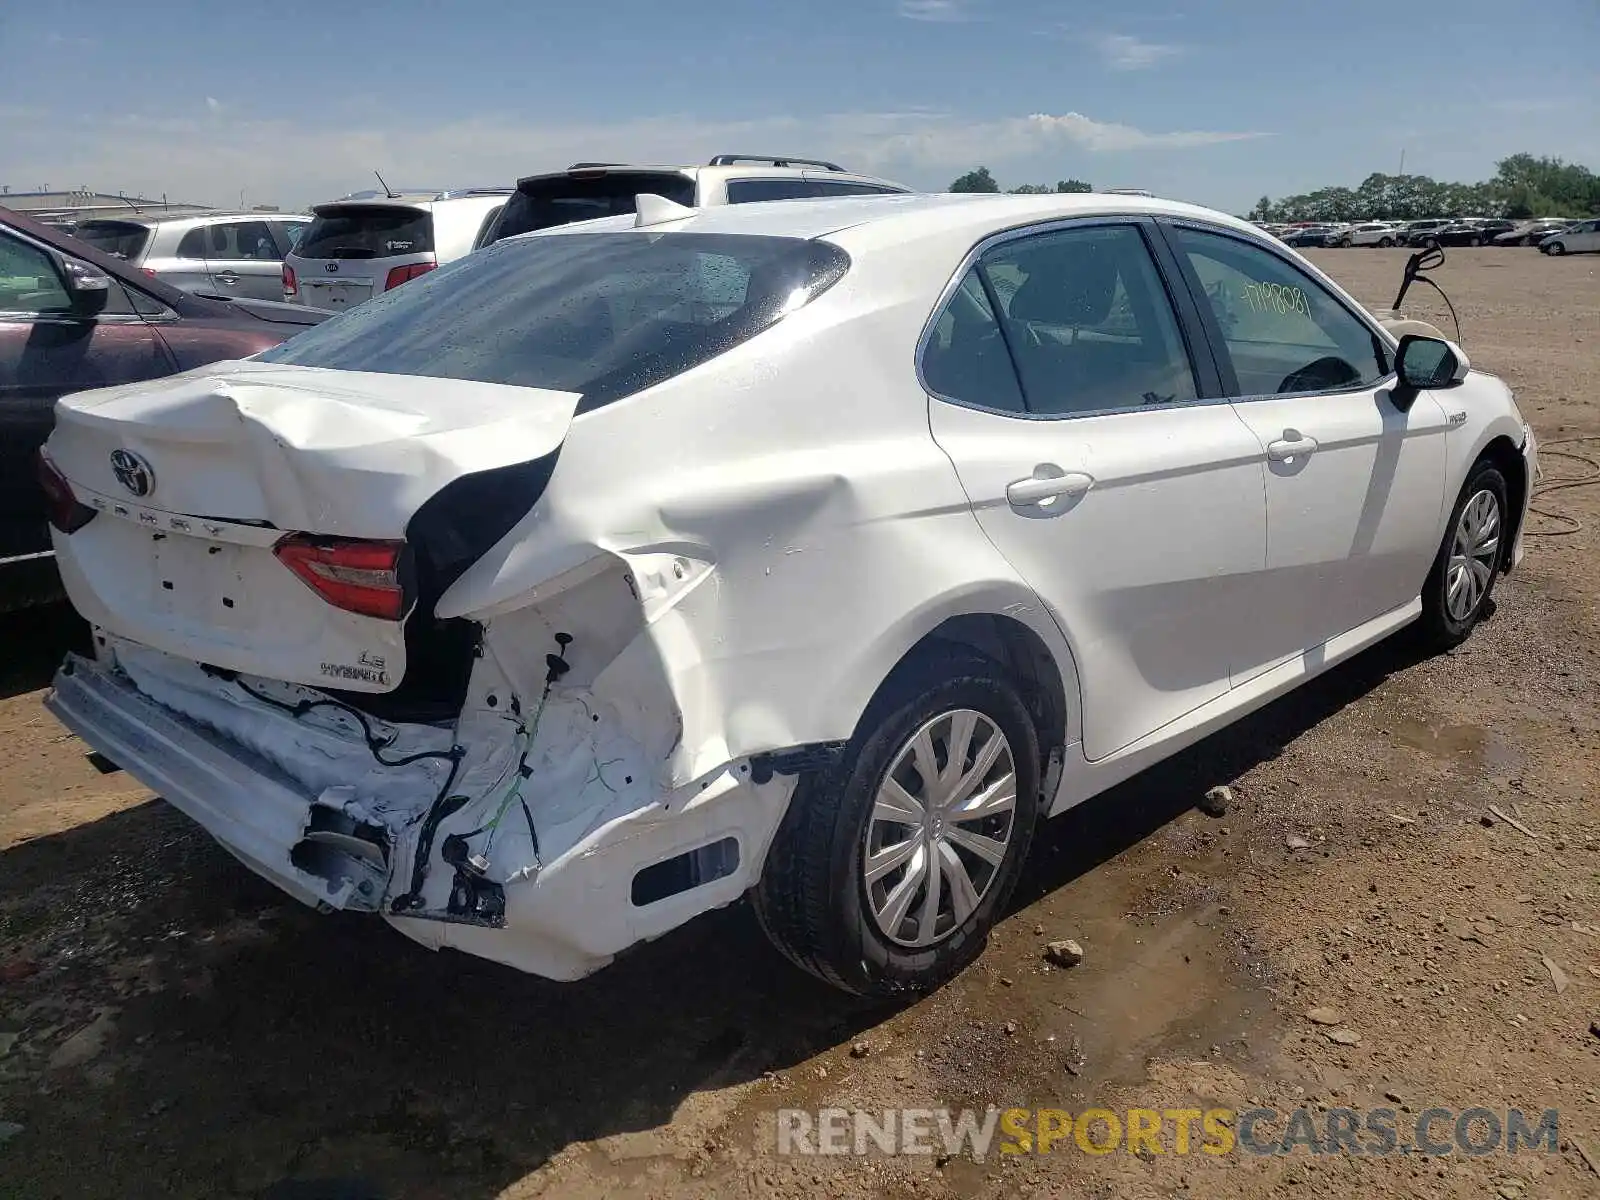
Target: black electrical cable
(375, 744)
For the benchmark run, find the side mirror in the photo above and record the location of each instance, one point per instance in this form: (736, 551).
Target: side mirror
(1423, 364)
(89, 287)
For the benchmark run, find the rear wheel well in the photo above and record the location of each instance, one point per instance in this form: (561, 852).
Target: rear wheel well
(1507, 459)
(1019, 651)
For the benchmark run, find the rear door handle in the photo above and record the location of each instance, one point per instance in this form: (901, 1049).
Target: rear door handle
(226, 277)
(1284, 449)
(1037, 489)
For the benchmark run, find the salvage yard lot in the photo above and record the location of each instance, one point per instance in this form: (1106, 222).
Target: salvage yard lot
(169, 1025)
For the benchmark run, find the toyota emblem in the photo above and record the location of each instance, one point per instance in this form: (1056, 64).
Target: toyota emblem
(332, 268)
(133, 472)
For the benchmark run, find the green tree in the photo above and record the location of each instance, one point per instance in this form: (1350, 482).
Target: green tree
(1027, 189)
(1072, 185)
(976, 181)
(1263, 211)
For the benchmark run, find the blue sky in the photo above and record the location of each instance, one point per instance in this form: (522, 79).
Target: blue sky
(294, 102)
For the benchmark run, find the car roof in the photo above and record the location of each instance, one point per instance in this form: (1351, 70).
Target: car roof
(906, 217)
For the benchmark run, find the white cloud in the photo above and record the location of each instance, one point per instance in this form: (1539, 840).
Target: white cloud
(214, 105)
(1124, 53)
(935, 10)
(208, 159)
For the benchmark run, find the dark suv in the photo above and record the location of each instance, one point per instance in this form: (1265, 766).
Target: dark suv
(73, 318)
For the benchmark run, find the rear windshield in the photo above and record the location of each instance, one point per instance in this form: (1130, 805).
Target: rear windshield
(602, 314)
(367, 231)
(125, 239)
(562, 199)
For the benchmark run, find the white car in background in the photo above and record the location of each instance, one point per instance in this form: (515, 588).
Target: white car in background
(372, 242)
(587, 191)
(1372, 233)
(808, 550)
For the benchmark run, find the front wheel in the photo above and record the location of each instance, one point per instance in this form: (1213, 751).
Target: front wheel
(1386, 242)
(888, 871)
(1475, 242)
(1555, 248)
(1457, 589)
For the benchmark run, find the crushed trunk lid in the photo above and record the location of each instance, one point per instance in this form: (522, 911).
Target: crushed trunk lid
(198, 478)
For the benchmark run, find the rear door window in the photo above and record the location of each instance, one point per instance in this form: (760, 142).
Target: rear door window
(232, 241)
(367, 231)
(125, 239)
(562, 199)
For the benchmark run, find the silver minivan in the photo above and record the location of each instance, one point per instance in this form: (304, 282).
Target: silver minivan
(210, 253)
(372, 242)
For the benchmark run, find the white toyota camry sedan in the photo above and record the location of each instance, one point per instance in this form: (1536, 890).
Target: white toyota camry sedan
(809, 550)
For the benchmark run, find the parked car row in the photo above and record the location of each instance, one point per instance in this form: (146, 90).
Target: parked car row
(1441, 231)
(370, 243)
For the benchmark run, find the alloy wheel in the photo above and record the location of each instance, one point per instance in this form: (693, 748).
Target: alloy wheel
(1474, 552)
(941, 823)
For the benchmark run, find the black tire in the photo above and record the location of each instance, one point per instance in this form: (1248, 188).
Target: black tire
(1438, 629)
(812, 898)
(1553, 248)
(1475, 242)
(1386, 242)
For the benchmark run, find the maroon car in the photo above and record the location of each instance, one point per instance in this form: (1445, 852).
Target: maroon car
(72, 318)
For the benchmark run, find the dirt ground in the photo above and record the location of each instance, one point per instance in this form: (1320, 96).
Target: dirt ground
(171, 1026)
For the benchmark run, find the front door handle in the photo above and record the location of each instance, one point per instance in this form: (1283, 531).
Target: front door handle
(226, 277)
(1286, 448)
(1036, 489)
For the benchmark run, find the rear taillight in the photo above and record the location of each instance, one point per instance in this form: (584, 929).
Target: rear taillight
(291, 286)
(61, 506)
(405, 274)
(358, 576)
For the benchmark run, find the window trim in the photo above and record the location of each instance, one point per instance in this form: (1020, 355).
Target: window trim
(1208, 383)
(1213, 331)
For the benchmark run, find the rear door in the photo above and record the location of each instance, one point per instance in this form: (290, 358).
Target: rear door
(1354, 485)
(242, 259)
(352, 248)
(45, 352)
(1102, 466)
(182, 265)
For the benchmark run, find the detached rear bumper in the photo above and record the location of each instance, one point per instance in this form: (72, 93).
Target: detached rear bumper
(244, 802)
(628, 878)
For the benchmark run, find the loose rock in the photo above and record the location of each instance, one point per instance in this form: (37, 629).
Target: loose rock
(1064, 953)
(1324, 1016)
(8, 1130)
(1343, 1037)
(82, 1046)
(1215, 802)
(1557, 975)
(1295, 842)
(860, 1050)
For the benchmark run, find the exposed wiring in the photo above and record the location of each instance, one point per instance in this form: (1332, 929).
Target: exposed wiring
(1572, 523)
(375, 744)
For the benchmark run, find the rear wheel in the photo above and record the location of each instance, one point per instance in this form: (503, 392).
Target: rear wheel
(888, 871)
(1554, 248)
(1386, 242)
(1458, 587)
(1477, 241)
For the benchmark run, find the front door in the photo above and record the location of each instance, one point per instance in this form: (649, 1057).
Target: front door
(1355, 486)
(1064, 393)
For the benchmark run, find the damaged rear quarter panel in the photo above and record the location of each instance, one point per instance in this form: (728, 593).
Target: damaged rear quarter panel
(781, 561)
